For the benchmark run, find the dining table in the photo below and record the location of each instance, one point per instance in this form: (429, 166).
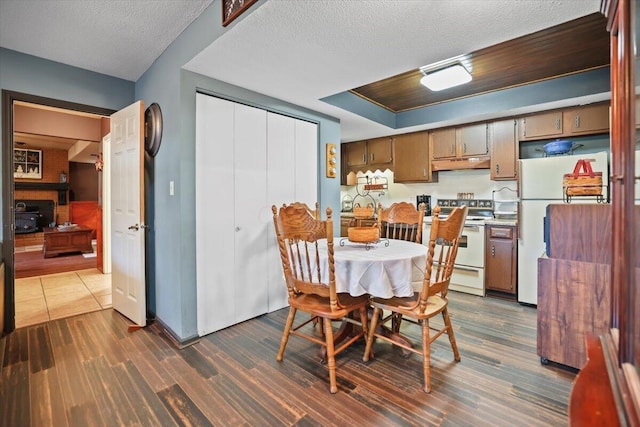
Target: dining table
(384, 269)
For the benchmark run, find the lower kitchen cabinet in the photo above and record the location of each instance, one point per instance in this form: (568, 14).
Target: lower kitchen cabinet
(501, 259)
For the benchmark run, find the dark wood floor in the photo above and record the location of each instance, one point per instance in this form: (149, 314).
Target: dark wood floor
(89, 371)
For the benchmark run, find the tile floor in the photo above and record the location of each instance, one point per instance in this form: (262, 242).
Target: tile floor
(55, 296)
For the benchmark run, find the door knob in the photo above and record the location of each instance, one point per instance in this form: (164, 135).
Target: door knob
(237, 228)
(134, 227)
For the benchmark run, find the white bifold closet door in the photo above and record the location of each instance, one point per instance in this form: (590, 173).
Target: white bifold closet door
(247, 159)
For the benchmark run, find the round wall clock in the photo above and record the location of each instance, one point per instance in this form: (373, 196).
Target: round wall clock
(153, 129)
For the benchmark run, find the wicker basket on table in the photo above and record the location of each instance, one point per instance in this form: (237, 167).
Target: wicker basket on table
(363, 234)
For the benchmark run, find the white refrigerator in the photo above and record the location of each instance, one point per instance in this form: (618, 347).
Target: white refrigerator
(540, 184)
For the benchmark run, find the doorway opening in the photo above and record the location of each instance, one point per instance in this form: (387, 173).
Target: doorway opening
(41, 190)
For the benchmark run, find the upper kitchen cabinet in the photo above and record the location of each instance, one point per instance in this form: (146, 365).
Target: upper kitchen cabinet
(380, 151)
(580, 120)
(589, 119)
(356, 154)
(376, 153)
(541, 126)
(411, 158)
(464, 141)
(463, 147)
(472, 140)
(443, 143)
(504, 150)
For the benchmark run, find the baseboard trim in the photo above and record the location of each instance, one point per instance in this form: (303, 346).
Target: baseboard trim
(163, 330)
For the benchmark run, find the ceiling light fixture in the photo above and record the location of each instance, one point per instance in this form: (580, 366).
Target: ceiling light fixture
(445, 78)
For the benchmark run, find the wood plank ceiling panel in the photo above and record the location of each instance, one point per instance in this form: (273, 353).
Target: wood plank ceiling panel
(572, 47)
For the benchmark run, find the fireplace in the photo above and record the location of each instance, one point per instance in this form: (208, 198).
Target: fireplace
(34, 215)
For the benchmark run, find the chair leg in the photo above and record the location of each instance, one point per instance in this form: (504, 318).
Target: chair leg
(426, 356)
(331, 356)
(396, 320)
(364, 319)
(452, 338)
(285, 334)
(372, 330)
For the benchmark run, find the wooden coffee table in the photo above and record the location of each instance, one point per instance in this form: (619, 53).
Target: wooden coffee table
(77, 239)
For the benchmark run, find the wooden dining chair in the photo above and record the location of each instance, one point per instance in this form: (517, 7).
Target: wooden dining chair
(299, 235)
(432, 298)
(401, 221)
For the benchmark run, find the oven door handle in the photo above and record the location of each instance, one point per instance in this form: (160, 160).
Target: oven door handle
(460, 267)
(472, 227)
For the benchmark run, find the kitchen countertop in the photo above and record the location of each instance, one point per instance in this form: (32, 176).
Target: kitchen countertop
(351, 215)
(510, 222)
(491, 221)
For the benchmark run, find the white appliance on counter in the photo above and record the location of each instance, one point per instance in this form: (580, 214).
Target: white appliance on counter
(468, 270)
(540, 184)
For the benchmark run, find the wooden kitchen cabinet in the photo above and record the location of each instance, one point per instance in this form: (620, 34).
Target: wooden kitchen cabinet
(376, 153)
(443, 143)
(460, 142)
(541, 126)
(504, 150)
(345, 223)
(580, 120)
(589, 119)
(472, 140)
(356, 153)
(411, 158)
(380, 151)
(501, 259)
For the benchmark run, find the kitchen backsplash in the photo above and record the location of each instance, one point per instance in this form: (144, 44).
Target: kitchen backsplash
(449, 184)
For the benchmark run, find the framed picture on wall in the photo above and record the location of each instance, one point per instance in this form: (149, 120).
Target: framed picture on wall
(27, 163)
(231, 9)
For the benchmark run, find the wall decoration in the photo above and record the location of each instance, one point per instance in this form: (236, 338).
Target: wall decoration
(231, 9)
(27, 163)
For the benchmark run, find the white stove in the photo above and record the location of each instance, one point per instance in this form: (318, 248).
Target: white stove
(468, 272)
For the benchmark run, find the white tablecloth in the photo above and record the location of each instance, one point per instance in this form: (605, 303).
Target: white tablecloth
(381, 271)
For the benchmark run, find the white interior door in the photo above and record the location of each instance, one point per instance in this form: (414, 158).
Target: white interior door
(306, 165)
(292, 176)
(281, 188)
(249, 155)
(250, 177)
(215, 213)
(127, 213)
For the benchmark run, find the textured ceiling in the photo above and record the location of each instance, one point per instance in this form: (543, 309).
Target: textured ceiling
(306, 50)
(114, 37)
(298, 51)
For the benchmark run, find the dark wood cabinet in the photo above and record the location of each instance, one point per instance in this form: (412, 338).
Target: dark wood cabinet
(443, 143)
(573, 121)
(472, 140)
(589, 119)
(460, 142)
(411, 158)
(356, 153)
(541, 126)
(376, 153)
(501, 259)
(380, 151)
(504, 150)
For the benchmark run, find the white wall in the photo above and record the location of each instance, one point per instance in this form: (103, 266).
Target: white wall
(449, 184)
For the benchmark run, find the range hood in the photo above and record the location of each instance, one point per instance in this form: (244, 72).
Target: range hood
(482, 162)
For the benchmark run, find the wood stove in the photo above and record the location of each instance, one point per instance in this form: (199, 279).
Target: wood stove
(35, 215)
